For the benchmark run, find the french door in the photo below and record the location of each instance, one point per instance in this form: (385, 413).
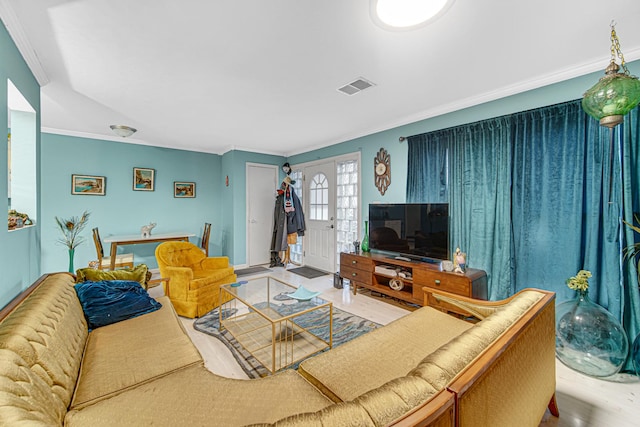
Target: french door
(330, 195)
(320, 208)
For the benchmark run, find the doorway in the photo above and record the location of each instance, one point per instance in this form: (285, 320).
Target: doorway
(320, 216)
(333, 224)
(262, 182)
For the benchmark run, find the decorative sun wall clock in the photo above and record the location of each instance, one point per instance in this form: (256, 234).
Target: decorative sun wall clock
(382, 170)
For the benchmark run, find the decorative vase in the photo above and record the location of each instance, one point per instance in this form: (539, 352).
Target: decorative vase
(71, 254)
(365, 238)
(588, 338)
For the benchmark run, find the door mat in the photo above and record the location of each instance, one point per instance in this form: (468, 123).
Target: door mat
(346, 326)
(308, 272)
(251, 270)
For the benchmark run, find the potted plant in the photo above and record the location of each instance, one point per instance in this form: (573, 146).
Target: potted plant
(631, 254)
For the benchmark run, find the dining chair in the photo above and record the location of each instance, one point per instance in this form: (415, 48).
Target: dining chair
(104, 263)
(204, 244)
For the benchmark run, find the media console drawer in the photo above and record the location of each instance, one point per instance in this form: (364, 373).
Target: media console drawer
(356, 262)
(355, 275)
(449, 282)
(356, 268)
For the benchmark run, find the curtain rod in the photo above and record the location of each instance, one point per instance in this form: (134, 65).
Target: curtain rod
(573, 101)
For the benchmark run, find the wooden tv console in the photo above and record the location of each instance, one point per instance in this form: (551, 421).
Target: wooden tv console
(360, 269)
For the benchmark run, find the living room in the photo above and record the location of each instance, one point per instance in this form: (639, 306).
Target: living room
(220, 177)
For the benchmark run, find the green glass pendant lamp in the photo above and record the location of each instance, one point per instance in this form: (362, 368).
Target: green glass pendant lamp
(616, 93)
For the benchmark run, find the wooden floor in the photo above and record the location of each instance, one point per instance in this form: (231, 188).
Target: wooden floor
(583, 401)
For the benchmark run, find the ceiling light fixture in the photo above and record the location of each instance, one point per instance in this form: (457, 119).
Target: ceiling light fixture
(616, 93)
(407, 14)
(122, 130)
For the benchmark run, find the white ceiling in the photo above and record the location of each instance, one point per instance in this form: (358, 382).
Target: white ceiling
(258, 75)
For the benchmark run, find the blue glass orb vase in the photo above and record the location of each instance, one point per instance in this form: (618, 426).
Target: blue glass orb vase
(588, 338)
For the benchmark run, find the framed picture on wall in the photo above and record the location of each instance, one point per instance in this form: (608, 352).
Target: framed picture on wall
(144, 179)
(184, 189)
(89, 185)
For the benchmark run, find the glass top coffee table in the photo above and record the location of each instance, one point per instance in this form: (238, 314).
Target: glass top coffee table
(277, 329)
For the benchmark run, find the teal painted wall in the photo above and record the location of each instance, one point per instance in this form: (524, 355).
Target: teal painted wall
(122, 210)
(20, 249)
(226, 202)
(235, 199)
(369, 145)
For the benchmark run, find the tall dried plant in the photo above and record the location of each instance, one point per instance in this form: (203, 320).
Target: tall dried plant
(71, 229)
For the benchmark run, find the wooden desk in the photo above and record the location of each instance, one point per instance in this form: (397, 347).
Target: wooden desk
(134, 239)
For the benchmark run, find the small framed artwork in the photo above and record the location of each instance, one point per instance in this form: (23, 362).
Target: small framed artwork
(89, 185)
(144, 179)
(184, 189)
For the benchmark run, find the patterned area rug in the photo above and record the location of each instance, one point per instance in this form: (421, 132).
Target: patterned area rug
(346, 326)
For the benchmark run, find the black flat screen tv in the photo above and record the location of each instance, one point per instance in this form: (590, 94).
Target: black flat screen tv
(418, 231)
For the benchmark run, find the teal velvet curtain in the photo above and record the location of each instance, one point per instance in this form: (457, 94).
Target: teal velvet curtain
(479, 157)
(630, 185)
(561, 215)
(538, 195)
(479, 202)
(428, 159)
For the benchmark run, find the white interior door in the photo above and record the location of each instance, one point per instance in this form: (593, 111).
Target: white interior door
(262, 182)
(319, 202)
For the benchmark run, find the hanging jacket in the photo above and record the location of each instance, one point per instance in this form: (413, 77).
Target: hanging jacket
(295, 218)
(279, 237)
(285, 223)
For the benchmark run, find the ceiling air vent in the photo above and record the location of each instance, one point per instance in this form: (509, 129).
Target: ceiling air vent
(356, 86)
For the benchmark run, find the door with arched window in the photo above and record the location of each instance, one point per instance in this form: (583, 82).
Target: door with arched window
(319, 201)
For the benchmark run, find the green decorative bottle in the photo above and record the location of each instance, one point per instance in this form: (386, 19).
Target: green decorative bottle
(365, 238)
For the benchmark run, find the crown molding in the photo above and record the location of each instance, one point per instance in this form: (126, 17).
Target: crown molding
(14, 27)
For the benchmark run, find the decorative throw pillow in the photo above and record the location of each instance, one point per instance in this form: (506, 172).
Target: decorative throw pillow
(110, 301)
(140, 274)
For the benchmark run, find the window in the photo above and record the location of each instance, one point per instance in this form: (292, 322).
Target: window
(319, 198)
(295, 251)
(21, 151)
(346, 206)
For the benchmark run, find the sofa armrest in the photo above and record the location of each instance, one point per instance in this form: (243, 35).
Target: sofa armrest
(162, 280)
(214, 263)
(180, 277)
(479, 309)
(179, 273)
(514, 379)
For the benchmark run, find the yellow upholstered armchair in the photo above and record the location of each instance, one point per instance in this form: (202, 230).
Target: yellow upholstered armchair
(194, 279)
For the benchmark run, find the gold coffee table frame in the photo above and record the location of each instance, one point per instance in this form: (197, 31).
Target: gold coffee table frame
(277, 341)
